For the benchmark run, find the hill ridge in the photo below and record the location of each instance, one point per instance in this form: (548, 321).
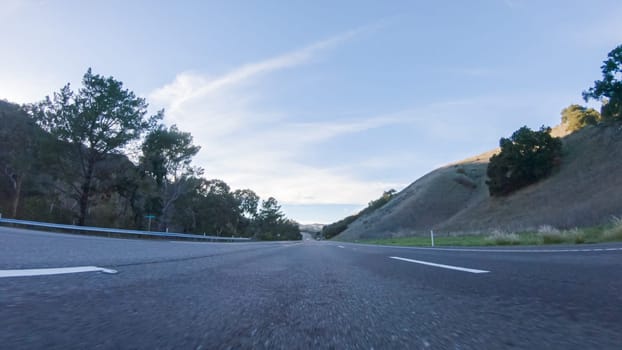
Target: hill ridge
(454, 199)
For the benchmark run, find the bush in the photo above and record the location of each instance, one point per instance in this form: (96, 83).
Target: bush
(502, 238)
(553, 238)
(576, 117)
(332, 230)
(614, 232)
(551, 235)
(526, 157)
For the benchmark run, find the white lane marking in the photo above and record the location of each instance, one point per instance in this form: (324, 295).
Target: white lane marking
(53, 271)
(458, 268)
(340, 246)
(483, 250)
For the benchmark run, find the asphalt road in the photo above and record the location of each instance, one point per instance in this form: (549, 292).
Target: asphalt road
(328, 295)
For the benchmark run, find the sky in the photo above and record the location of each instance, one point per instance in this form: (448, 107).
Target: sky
(321, 104)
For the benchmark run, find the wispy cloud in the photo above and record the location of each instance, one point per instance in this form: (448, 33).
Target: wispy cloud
(251, 146)
(248, 146)
(190, 86)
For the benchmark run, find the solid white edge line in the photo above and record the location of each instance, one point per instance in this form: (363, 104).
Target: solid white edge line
(500, 250)
(53, 271)
(450, 267)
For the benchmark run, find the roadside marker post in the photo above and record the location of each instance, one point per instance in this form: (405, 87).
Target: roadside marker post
(432, 237)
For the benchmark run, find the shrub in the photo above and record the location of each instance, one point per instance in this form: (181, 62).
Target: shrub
(576, 117)
(526, 157)
(503, 238)
(614, 232)
(579, 237)
(553, 237)
(547, 229)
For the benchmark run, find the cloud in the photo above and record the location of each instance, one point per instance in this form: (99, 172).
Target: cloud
(28, 88)
(251, 147)
(190, 86)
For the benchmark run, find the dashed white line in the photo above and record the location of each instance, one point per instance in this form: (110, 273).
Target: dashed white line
(450, 267)
(53, 271)
(340, 246)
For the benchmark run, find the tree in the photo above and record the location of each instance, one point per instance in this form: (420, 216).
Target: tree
(270, 211)
(526, 157)
(166, 157)
(248, 202)
(576, 117)
(167, 153)
(186, 213)
(273, 225)
(100, 119)
(20, 147)
(219, 209)
(609, 89)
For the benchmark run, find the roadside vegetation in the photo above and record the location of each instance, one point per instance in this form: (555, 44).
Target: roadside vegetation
(93, 156)
(611, 232)
(525, 158)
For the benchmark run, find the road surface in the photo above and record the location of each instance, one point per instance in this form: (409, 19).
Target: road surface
(140, 294)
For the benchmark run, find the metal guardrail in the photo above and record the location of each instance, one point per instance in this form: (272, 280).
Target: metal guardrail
(119, 231)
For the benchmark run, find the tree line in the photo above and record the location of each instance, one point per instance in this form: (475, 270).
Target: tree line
(94, 156)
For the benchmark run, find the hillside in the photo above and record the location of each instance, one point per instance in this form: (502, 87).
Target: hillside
(454, 199)
(32, 164)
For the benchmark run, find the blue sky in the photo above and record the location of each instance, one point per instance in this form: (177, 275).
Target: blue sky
(321, 104)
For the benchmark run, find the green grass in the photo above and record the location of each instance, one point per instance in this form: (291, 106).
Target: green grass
(425, 241)
(463, 241)
(545, 235)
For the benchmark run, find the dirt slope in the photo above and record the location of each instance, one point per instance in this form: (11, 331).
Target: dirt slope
(585, 191)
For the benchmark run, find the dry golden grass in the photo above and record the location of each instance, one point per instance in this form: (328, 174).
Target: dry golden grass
(583, 192)
(503, 238)
(614, 231)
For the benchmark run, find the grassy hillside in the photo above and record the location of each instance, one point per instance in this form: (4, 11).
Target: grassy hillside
(454, 199)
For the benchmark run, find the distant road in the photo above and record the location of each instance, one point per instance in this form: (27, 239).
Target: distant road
(142, 294)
